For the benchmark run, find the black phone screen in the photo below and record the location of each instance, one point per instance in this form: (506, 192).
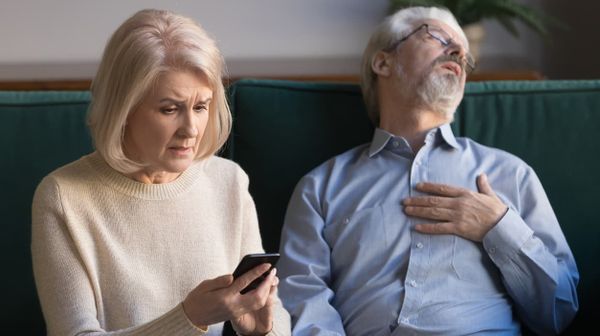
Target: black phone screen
(252, 260)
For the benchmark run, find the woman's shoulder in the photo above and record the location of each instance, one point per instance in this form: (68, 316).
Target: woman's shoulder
(218, 164)
(225, 169)
(67, 176)
(72, 170)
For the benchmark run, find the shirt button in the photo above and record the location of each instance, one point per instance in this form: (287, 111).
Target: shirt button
(412, 283)
(419, 245)
(492, 250)
(346, 220)
(395, 144)
(404, 320)
(417, 163)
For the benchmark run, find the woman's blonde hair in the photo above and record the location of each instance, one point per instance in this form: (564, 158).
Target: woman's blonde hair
(146, 45)
(389, 32)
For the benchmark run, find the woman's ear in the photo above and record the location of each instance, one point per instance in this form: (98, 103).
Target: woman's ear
(381, 64)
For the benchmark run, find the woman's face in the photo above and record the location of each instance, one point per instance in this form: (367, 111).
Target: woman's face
(165, 130)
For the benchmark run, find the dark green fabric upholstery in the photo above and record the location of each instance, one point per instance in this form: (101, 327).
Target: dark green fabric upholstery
(284, 129)
(40, 131)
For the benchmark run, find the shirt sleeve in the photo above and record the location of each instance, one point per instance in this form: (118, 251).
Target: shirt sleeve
(305, 267)
(537, 266)
(65, 291)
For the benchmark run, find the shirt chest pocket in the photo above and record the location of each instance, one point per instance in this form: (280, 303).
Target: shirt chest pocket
(357, 237)
(470, 263)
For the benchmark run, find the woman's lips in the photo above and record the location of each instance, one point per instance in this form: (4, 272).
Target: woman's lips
(180, 150)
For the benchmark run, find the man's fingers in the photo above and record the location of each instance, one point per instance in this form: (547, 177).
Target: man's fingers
(440, 189)
(430, 201)
(434, 213)
(484, 185)
(437, 228)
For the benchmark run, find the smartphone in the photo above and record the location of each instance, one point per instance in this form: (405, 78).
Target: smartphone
(252, 260)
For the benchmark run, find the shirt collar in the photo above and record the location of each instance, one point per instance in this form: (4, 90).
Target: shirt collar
(448, 135)
(382, 137)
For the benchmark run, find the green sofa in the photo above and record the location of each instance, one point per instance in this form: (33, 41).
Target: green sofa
(284, 129)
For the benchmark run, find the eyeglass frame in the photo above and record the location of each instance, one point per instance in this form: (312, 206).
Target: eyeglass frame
(469, 61)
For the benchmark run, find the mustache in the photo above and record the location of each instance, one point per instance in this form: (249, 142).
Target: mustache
(451, 58)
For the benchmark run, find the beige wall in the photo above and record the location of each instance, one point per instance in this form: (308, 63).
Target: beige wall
(63, 39)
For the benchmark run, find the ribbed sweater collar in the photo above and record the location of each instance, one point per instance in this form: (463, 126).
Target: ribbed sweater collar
(128, 186)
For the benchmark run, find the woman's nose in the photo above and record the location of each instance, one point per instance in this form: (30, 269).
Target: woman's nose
(188, 127)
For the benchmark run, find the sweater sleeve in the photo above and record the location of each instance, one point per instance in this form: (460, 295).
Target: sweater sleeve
(281, 318)
(64, 289)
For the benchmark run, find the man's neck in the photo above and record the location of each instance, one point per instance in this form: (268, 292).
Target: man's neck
(412, 124)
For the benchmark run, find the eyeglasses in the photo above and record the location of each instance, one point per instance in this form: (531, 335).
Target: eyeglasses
(439, 35)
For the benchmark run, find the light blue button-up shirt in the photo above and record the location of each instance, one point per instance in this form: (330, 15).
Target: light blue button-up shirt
(353, 264)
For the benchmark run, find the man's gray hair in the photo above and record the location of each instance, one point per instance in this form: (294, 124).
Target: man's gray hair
(392, 29)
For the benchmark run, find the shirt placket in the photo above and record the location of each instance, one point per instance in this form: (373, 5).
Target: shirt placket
(414, 283)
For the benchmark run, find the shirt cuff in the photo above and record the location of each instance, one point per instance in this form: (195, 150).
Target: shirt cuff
(507, 237)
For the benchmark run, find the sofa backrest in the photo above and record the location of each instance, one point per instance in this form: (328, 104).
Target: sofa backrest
(284, 129)
(281, 130)
(40, 131)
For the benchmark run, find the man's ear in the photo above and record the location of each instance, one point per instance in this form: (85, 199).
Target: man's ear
(381, 64)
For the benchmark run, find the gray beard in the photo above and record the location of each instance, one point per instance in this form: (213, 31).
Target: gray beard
(440, 93)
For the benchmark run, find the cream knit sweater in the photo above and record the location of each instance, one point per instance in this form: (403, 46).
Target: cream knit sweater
(113, 254)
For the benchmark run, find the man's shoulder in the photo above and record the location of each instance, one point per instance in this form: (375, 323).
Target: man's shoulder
(341, 161)
(483, 151)
(328, 174)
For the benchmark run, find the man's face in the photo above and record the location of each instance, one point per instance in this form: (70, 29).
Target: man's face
(436, 72)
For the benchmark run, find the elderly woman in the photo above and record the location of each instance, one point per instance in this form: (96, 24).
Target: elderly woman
(140, 237)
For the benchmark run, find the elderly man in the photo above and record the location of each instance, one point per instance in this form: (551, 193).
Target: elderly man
(419, 232)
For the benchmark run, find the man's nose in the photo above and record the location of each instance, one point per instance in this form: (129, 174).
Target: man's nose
(456, 49)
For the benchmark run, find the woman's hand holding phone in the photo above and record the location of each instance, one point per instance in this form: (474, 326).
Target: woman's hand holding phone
(220, 299)
(259, 321)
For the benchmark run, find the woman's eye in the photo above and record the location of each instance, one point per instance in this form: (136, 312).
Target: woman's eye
(200, 108)
(168, 110)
